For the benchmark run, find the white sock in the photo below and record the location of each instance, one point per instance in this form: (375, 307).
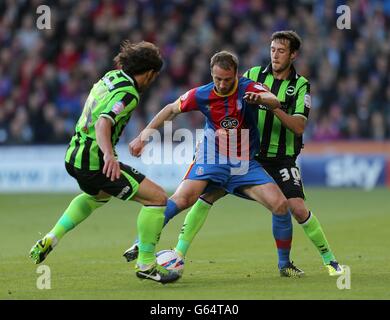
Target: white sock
(53, 238)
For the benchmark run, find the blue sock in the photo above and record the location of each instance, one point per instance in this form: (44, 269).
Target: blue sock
(170, 211)
(282, 231)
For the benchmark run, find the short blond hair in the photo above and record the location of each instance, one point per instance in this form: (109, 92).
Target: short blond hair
(225, 60)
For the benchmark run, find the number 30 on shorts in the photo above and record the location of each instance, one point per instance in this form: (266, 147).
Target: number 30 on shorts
(286, 175)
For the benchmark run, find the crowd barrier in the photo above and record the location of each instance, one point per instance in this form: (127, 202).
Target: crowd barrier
(41, 168)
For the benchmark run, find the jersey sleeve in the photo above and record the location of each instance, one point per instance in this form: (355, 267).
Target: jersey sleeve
(188, 101)
(119, 106)
(256, 87)
(303, 101)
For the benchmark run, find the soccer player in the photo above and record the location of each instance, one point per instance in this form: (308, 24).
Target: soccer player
(280, 144)
(230, 105)
(92, 160)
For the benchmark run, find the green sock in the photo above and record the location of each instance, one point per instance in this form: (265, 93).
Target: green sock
(149, 224)
(314, 231)
(79, 209)
(193, 222)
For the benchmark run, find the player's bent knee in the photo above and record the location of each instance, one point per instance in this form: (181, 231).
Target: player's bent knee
(161, 198)
(280, 207)
(300, 214)
(184, 202)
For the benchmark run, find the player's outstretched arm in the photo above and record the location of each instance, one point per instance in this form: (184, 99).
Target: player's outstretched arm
(169, 112)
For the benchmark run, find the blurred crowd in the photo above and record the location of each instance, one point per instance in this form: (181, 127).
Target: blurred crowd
(45, 75)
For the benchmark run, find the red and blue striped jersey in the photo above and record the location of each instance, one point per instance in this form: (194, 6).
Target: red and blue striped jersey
(226, 118)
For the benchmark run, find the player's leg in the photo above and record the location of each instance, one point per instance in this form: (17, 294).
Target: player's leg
(269, 195)
(192, 224)
(144, 195)
(195, 182)
(187, 193)
(287, 175)
(195, 219)
(313, 230)
(78, 210)
(259, 186)
(198, 213)
(132, 185)
(150, 219)
(184, 197)
(215, 176)
(282, 227)
(272, 198)
(149, 226)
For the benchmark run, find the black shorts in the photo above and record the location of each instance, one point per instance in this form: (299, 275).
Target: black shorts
(287, 176)
(92, 182)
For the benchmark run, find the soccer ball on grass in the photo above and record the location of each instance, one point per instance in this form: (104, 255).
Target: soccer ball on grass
(170, 260)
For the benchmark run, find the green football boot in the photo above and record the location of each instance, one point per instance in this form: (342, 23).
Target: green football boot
(334, 269)
(41, 249)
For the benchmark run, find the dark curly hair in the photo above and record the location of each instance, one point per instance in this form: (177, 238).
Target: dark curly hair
(291, 36)
(137, 58)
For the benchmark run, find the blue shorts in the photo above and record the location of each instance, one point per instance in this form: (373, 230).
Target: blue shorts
(224, 176)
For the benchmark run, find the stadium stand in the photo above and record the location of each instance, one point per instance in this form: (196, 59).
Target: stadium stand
(45, 75)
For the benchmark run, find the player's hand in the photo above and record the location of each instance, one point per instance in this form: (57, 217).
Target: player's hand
(111, 167)
(136, 146)
(253, 98)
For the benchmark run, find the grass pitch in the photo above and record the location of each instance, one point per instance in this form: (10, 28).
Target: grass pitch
(232, 257)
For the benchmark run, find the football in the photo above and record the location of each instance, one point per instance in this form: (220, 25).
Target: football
(170, 260)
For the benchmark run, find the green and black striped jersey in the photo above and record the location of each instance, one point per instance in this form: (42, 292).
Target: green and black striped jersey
(114, 96)
(294, 94)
